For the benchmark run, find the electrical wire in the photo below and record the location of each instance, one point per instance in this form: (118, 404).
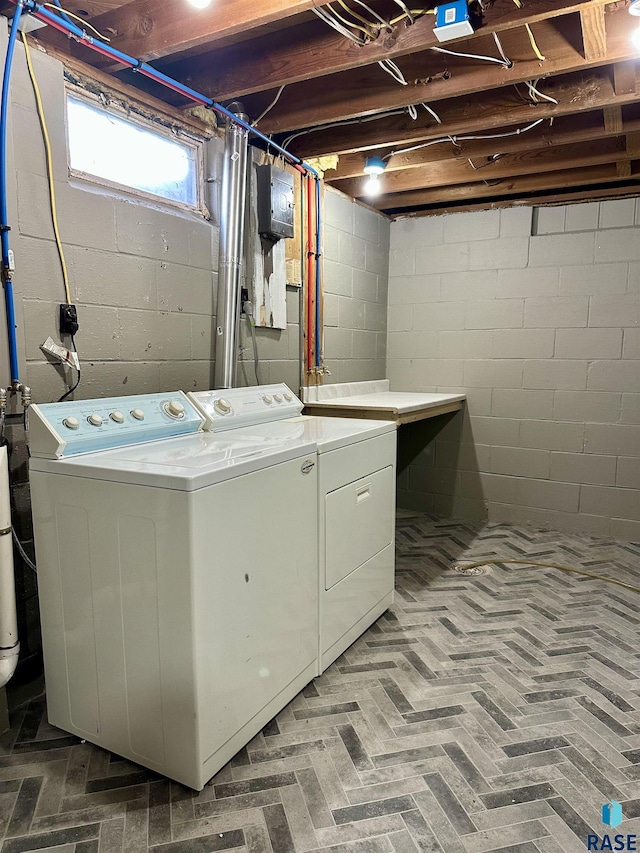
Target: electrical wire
(387, 26)
(455, 139)
(343, 123)
(68, 14)
(248, 310)
(49, 159)
(77, 382)
(355, 26)
(270, 107)
(496, 561)
(535, 47)
(536, 93)
(508, 62)
(357, 15)
(20, 549)
(432, 112)
(391, 68)
(502, 62)
(337, 26)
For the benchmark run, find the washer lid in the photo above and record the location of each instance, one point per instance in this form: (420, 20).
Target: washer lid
(186, 464)
(327, 433)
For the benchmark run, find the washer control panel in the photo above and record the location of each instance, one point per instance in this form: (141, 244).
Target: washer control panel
(237, 407)
(83, 426)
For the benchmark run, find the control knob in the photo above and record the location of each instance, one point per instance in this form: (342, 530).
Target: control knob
(138, 414)
(71, 422)
(222, 406)
(174, 408)
(277, 398)
(288, 397)
(267, 399)
(95, 419)
(117, 417)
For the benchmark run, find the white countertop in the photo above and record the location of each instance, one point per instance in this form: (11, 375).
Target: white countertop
(375, 395)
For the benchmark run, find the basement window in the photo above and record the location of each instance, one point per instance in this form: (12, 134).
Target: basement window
(132, 154)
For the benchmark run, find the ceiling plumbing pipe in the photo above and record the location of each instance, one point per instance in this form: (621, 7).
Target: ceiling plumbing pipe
(232, 212)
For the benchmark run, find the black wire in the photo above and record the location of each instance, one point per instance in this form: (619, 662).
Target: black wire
(73, 388)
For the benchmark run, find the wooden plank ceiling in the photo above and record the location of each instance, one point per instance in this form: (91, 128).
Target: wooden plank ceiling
(517, 129)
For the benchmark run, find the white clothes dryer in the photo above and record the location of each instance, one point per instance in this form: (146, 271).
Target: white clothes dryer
(356, 503)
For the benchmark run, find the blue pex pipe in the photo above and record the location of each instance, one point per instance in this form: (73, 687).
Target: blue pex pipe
(64, 25)
(4, 235)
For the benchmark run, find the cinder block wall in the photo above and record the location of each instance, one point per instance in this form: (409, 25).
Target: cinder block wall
(144, 278)
(534, 314)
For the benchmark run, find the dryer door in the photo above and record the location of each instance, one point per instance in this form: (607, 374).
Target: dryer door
(358, 523)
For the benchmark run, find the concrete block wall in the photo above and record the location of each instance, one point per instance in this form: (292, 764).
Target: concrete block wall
(535, 315)
(356, 269)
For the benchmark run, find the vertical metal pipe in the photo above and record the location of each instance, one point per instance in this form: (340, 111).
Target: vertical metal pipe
(232, 211)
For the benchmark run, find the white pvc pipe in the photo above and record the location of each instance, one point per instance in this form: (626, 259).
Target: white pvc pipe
(9, 645)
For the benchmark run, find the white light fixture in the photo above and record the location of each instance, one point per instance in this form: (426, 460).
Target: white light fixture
(634, 8)
(200, 4)
(635, 39)
(374, 167)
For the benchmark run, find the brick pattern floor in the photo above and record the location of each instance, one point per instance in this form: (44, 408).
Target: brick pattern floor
(488, 713)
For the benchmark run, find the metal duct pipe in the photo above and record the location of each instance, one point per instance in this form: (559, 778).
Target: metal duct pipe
(232, 211)
(9, 645)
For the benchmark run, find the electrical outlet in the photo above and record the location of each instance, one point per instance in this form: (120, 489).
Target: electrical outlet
(68, 319)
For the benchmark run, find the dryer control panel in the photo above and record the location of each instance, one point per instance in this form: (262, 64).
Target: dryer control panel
(237, 407)
(83, 426)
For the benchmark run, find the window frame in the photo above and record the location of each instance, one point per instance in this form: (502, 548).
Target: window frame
(164, 127)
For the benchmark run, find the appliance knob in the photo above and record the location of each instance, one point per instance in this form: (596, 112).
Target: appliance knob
(174, 408)
(117, 417)
(95, 419)
(267, 399)
(138, 414)
(222, 406)
(288, 397)
(277, 398)
(71, 422)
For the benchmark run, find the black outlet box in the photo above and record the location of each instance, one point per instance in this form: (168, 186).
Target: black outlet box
(68, 319)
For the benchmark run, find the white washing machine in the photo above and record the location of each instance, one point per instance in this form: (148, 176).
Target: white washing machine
(178, 578)
(356, 503)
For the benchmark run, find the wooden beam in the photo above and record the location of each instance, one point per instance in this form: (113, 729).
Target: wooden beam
(528, 185)
(532, 162)
(591, 194)
(433, 76)
(613, 118)
(594, 34)
(499, 108)
(623, 168)
(633, 144)
(313, 49)
(563, 131)
(624, 77)
(148, 29)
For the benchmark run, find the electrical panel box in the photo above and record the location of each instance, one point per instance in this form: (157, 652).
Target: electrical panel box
(276, 207)
(452, 21)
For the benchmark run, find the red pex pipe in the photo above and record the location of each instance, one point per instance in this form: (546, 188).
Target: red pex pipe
(310, 265)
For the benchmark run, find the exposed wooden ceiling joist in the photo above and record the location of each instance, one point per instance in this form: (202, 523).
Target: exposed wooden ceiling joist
(148, 29)
(568, 130)
(309, 51)
(532, 162)
(528, 185)
(498, 108)
(435, 76)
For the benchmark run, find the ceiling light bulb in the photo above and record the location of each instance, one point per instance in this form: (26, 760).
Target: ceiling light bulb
(635, 38)
(373, 186)
(200, 4)
(634, 8)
